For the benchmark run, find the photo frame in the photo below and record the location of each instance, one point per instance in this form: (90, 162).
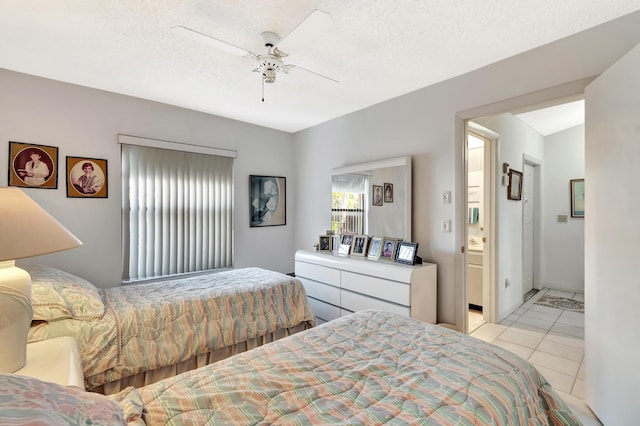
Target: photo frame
(388, 193)
(325, 243)
(33, 166)
(388, 250)
(514, 189)
(335, 243)
(359, 245)
(406, 253)
(377, 197)
(346, 240)
(86, 177)
(577, 198)
(267, 201)
(375, 248)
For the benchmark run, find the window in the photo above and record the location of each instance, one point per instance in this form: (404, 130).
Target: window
(177, 211)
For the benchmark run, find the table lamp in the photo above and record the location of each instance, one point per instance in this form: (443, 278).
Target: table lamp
(26, 230)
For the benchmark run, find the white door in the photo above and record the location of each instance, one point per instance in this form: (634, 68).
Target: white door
(528, 227)
(612, 233)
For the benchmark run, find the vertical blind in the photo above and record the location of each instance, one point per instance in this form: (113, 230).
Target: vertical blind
(177, 210)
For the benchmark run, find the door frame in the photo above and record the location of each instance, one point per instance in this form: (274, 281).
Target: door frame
(489, 268)
(537, 215)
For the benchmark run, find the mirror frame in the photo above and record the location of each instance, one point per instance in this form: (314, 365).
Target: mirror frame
(381, 164)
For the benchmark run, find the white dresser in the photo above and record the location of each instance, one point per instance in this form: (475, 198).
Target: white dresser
(339, 285)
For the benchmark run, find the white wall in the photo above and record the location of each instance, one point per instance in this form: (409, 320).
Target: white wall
(427, 125)
(516, 140)
(85, 122)
(612, 233)
(563, 243)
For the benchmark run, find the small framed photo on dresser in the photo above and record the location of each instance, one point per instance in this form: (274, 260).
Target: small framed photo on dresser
(407, 253)
(359, 245)
(375, 248)
(324, 243)
(389, 246)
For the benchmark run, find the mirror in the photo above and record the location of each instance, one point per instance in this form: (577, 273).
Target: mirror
(373, 198)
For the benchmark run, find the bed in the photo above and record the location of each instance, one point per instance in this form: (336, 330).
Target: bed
(370, 367)
(138, 334)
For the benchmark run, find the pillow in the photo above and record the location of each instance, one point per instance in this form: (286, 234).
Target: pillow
(26, 400)
(57, 294)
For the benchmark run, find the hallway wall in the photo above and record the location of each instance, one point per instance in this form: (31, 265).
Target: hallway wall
(563, 243)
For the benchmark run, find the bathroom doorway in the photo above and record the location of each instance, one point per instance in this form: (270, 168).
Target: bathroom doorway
(480, 149)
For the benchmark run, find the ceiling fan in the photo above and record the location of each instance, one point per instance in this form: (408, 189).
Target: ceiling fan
(268, 64)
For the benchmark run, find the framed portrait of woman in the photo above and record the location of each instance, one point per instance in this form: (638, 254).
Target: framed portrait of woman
(33, 166)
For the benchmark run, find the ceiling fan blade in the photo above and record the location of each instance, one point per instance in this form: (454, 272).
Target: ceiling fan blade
(288, 68)
(210, 41)
(307, 32)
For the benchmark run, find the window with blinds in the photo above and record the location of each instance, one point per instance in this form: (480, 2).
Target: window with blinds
(177, 212)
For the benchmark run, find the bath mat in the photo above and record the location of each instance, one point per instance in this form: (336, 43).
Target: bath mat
(561, 303)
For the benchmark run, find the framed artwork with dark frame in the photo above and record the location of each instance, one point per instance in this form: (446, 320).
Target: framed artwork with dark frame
(407, 253)
(33, 166)
(577, 198)
(86, 177)
(324, 243)
(377, 197)
(388, 193)
(514, 189)
(359, 245)
(267, 200)
(375, 248)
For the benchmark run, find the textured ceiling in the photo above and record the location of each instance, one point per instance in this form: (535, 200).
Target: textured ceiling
(377, 50)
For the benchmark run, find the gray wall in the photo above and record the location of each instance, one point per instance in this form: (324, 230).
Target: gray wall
(85, 123)
(563, 242)
(427, 124)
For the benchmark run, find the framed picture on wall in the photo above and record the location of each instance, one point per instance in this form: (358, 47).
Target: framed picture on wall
(86, 177)
(577, 198)
(377, 198)
(388, 193)
(267, 200)
(514, 189)
(33, 166)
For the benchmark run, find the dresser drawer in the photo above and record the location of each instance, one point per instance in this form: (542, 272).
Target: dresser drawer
(321, 291)
(324, 311)
(318, 273)
(392, 291)
(358, 302)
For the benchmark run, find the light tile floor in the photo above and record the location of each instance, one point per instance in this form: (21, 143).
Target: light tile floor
(551, 339)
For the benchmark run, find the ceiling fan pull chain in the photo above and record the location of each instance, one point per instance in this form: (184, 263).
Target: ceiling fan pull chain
(262, 88)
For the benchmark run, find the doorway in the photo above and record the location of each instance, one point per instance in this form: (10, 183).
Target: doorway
(530, 228)
(481, 159)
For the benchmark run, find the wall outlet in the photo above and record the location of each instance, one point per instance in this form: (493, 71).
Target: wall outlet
(446, 197)
(445, 226)
(563, 218)
(507, 283)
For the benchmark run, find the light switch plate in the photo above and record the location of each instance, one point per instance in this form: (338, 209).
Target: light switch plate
(446, 226)
(446, 197)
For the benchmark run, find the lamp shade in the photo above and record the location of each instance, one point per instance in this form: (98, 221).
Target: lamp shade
(27, 230)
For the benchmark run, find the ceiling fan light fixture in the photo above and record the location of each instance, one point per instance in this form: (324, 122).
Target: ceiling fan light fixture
(269, 65)
(269, 75)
